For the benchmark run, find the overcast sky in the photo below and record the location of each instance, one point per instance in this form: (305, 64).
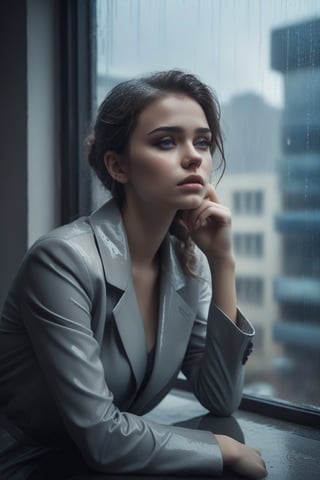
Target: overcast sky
(225, 42)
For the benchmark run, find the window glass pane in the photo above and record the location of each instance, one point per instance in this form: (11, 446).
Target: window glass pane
(262, 57)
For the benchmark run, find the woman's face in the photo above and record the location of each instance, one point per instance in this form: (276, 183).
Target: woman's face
(169, 161)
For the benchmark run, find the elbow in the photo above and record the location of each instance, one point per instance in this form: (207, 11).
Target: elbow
(229, 401)
(228, 407)
(228, 397)
(222, 407)
(221, 402)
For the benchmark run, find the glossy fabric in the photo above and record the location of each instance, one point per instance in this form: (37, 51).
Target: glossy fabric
(73, 352)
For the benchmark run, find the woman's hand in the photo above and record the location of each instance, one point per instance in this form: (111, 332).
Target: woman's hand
(241, 459)
(210, 227)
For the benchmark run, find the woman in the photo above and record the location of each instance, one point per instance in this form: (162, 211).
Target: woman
(106, 311)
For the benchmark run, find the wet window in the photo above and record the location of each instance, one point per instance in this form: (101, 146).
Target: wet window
(262, 58)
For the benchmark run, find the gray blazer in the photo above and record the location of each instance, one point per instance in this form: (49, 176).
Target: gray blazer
(73, 351)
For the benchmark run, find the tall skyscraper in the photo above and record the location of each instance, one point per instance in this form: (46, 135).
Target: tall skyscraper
(295, 52)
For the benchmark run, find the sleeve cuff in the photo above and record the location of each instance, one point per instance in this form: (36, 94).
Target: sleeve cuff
(242, 330)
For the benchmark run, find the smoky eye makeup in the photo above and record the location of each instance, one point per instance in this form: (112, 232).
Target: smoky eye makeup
(167, 137)
(165, 143)
(203, 142)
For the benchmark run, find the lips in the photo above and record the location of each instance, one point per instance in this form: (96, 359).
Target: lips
(191, 179)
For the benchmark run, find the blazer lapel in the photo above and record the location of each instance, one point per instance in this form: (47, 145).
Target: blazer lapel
(108, 228)
(131, 330)
(111, 240)
(176, 319)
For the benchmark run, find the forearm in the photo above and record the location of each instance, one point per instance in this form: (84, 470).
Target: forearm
(224, 286)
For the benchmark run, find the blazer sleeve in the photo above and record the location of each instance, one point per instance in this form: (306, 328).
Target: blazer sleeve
(216, 354)
(56, 300)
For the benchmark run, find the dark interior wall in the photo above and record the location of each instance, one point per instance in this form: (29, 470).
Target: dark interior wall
(13, 134)
(29, 130)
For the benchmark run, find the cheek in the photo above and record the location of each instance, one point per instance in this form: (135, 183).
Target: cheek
(208, 165)
(149, 167)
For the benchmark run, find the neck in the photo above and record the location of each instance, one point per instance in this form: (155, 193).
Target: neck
(146, 230)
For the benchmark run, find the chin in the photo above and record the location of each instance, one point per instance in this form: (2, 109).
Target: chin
(191, 203)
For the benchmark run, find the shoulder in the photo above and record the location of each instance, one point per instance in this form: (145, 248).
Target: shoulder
(71, 246)
(80, 230)
(72, 231)
(72, 235)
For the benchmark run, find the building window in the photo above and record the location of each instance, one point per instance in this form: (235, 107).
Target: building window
(250, 289)
(249, 244)
(248, 202)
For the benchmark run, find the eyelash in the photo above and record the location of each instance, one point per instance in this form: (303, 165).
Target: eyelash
(206, 142)
(163, 143)
(167, 143)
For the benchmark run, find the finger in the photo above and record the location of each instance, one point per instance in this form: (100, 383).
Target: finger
(193, 214)
(217, 213)
(207, 216)
(257, 451)
(211, 194)
(196, 218)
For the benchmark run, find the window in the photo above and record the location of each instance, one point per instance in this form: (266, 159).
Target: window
(250, 289)
(248, 202)
(248, 244)
(263, 60)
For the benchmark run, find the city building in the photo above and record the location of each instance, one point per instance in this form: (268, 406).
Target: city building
(295, 53)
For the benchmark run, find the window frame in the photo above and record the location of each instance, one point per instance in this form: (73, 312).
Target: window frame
(77, 84)
(78, 27)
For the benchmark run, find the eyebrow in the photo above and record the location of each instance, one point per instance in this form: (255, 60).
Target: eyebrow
(176, 129)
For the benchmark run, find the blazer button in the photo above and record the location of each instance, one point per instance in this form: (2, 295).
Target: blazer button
(247, 352)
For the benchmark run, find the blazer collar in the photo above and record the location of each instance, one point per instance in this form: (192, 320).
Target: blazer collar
(111, 238)
(112, 242)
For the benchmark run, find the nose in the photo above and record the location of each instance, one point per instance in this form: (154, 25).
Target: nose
(191, 157)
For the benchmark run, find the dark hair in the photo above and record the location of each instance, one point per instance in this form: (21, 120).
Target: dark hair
(118, 115)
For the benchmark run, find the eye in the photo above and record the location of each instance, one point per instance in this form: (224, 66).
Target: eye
(202, 143)
(165, 143)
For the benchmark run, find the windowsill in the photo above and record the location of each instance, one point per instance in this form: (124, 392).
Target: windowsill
(291, 451)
